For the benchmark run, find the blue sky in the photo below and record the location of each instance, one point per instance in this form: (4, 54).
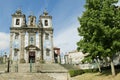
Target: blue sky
(61, 10)
(64, 13)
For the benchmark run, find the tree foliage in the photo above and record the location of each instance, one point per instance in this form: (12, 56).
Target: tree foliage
(100, 29)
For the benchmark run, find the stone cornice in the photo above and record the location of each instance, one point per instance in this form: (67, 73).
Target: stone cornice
(41, 16)
(21, 15)
(29, 29)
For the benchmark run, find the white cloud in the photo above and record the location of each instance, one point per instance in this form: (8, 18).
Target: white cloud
(67, 39)
(4, 41)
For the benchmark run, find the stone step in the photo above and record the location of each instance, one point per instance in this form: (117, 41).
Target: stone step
(22, 68)
(52, 68)
(44, 68)
(26, 68)
(25, 76)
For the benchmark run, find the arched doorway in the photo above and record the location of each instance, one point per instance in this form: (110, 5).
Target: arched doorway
(32, 56)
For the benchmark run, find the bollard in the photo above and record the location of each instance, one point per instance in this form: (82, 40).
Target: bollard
(16, 67)
(8, 65)
(30, 65)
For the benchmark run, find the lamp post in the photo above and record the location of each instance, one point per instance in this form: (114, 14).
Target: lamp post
(30, 65)
(8, 65)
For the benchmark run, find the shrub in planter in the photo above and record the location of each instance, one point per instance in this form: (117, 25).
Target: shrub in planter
(75, 72)
(90, 70)
(72, 73)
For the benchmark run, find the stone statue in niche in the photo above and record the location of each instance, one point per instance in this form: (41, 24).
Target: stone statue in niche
(31, 21)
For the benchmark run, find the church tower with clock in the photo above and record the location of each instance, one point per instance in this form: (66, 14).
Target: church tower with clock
(29, 41)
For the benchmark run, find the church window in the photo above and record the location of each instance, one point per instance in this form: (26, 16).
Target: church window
(46, 36)
(16, 36)
(46, 22)
(31, 40)
(15, 53)
(47, 52)
(31, 22)
(17, 21)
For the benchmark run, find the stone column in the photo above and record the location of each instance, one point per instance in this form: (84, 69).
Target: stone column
(52, 47)
(11, 39)
(34, 39)
(28, 38)
(27, 54)
(22, 60)
(40, 44)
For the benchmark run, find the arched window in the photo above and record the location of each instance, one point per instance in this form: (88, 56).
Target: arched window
(46, 36)
(16, 35)
(15, 52)
(17, 21)
(31, 40)
(47, 52)
(46, 22)
(31, 21)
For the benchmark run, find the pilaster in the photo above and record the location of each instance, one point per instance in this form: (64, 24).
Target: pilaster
(35, 39)
(52, 50)
(11, 39)
(40, 41)
(22, 47)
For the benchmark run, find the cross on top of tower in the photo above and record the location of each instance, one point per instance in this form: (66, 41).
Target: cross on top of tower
(18, 11)
(45, 12)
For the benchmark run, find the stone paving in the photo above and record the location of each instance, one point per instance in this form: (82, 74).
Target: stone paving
(34, 76)
(25, 76)
(52, 68)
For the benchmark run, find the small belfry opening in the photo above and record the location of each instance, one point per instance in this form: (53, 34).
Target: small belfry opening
(32, 56)
(17, 21)
(46, 22)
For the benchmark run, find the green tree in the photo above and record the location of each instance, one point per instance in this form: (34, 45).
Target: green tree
(100, 30)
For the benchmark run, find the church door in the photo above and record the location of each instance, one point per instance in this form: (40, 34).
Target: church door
(32, 57)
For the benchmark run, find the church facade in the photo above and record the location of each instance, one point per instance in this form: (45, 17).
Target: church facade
(31, 41)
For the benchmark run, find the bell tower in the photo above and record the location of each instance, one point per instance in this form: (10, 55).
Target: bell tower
(46, 20)
(31, 21)
(18, 19)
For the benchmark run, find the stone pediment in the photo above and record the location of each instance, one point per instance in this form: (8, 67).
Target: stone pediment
(32, 47)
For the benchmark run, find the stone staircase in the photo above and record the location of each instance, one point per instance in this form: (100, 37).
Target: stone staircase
(26, 68)
(25, 76)
(51, 68)
(22, 68)
(39, 71)
(44, 68)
